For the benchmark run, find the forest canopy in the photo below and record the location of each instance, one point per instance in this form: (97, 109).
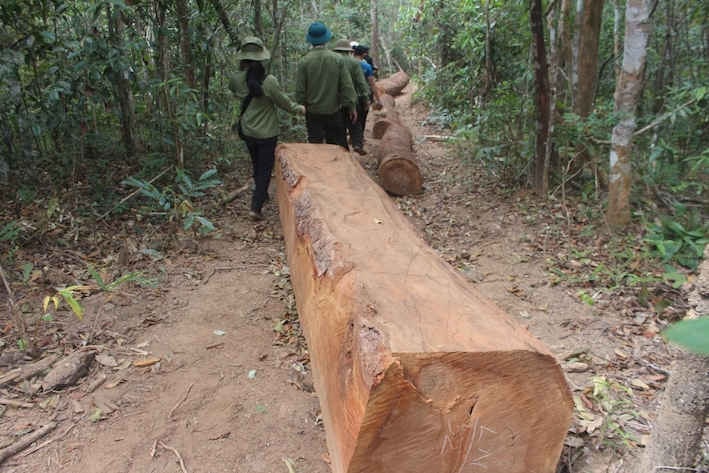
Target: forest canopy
(93, 94)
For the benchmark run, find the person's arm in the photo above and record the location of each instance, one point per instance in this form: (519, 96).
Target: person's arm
(347, 92)
(375, 90)
(272, 89)
(300, 84)
(236, 88)
(360, 82)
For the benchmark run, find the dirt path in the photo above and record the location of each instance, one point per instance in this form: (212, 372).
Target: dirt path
(231, 392)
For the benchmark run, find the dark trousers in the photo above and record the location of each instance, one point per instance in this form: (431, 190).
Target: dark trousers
(263, 154)
(327, 128)
(356, 129)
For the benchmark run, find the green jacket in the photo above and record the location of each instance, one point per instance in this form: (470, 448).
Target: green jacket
(261, 118)
(360, 83)
(323, 83)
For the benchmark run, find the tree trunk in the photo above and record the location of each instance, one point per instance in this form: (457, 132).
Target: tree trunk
(578, 17)
(374, 16)
(161, 58)
(279, 20)
(183, 23)
(677, 432)
(489, 65)
(541, 96)
(588, 56)
(258, 24)
(617, 23)
(585, 91)
(226, 23)
(664, 74)
(627, 94)
(556, 21)
(415, 370)
(122, 85)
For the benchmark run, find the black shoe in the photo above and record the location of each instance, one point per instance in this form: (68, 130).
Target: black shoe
(255, 215)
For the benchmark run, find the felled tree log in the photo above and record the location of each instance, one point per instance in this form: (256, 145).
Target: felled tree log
(385, 117)
(394, 84)
(388, 102)
(416, 371)
(398, 169)
(381, 125)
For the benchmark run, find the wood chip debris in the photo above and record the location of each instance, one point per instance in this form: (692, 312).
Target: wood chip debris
(146, 361)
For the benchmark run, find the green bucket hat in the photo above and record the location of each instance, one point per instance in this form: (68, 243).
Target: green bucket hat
(343, 45)
(318, 34)
(252, 49)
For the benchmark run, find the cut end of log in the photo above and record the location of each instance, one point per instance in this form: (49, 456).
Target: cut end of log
(415, 370)
(464, 412)
(380, 127)
(394, 84)
(400, 175)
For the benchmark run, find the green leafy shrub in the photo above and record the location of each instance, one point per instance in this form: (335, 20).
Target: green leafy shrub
(177, 204)
(680, 242)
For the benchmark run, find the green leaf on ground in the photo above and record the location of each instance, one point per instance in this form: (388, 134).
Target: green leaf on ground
(691, 334)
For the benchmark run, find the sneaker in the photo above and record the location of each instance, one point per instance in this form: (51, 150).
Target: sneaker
(255, 216)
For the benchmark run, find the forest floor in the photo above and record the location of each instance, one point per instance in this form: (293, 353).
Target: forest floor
(208, 366)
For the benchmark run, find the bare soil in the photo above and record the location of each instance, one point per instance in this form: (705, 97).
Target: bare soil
(231, 391)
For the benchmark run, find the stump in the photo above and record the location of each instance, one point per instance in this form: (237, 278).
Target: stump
(394, 84)
(415, 370)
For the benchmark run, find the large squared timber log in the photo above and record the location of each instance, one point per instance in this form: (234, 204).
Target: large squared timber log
(415, 370)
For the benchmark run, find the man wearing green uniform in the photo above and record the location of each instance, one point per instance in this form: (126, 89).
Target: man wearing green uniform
(325, 87)
(361, 86)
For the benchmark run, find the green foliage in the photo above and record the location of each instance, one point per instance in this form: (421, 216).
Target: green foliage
(10, 232)
(135, 276)
(679, 242)
(692, 334)
(615, 402)
(177, 204)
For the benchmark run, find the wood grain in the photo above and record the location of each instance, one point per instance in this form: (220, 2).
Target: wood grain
(416, 372)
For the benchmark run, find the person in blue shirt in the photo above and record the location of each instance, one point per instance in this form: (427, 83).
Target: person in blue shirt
(360, 51)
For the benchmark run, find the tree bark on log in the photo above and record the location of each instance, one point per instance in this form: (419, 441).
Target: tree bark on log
(388, 102)
(385, 117)
(394, 84)
(415, 370)
(398, 168)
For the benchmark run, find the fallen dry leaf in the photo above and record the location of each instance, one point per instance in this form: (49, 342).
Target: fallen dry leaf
(146, 362)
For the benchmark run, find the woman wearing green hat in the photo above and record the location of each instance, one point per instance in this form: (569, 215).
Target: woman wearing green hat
(259, 94)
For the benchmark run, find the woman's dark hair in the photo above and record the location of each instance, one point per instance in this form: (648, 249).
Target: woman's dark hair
(255, 74)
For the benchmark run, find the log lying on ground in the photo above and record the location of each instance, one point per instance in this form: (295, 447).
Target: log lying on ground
(415, 370)
(385, 117)
(398, 169)
(394, 84)
(388, 102)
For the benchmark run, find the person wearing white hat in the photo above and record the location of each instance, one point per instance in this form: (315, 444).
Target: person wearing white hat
(258, 125)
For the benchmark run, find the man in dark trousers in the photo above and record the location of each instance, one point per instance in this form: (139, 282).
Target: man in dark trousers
(325, 87)
(361, 86)
(360, 51)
